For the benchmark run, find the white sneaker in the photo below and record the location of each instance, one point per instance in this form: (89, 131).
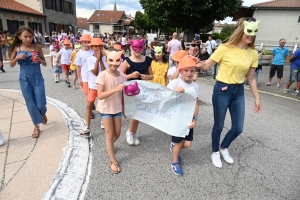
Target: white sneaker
(129, 137)
(1, 139)
(226, 156)
(135, 140)
(216, 159)
(285, 91)
(102, 126)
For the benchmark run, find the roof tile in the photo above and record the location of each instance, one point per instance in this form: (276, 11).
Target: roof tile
(82, 23)
(106, 16)
(16, 6)
(278, 4)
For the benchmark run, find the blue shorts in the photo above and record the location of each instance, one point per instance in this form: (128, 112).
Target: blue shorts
(294, 75)
(57, 70)
(189, 137)
(105, 116)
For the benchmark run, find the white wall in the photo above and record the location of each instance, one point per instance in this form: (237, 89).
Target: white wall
(34, 4)
(276, 24)
(91, 28)
(106, 29)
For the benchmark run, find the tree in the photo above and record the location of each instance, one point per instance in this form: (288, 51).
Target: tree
(228, 30)
(189, 14)
(141, 21)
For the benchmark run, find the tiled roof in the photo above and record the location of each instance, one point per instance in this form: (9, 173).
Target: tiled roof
(82, 23)
(278, 4)
(106, 16)
(16, 6)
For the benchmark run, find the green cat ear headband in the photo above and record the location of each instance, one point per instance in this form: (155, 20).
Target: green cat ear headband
(251, 28)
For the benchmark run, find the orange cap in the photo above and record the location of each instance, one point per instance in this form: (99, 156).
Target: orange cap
(187, 62)
(96, 41)
(85, 37)
(66, 41)
(118, 47)
(179, 55)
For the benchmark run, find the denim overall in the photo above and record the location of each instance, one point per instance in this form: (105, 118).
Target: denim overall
(32, 87)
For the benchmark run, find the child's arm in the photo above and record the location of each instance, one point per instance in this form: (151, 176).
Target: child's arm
(175, 75)
(14, 58)
(167, 79)
(149, 75)
(195, 117)
(41, 57)
(51, 59)
(123, 105)
(71, 57)
(104, 95)
(124, 68)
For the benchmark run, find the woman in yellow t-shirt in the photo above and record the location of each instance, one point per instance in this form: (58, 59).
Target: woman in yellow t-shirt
(160, 66)
(238, 59)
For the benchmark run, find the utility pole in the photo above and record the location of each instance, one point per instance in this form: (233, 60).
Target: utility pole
(99, 20)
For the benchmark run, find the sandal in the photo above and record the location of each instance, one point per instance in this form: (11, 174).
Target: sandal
(44, 117)
(74, 87)
(115, 163)
(36, 132)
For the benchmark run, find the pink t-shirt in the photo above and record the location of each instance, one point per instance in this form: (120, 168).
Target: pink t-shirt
(113, 103)
(174, 45)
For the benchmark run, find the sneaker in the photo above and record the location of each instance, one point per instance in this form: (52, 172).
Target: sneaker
(216, 159)
(135, 140)
(68, 84)
(171, 146)
(226, 156)
(268, 84)
(177, 168)
(56, 80)
(278, 86)
(1, 139)
(2, 70)
(129, 137)
(285, 91)
(296, 93)
(86, 131)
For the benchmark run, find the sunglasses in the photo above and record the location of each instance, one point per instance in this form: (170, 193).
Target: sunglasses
(249, 19)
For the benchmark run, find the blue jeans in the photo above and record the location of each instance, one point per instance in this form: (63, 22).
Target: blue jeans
(227, 96)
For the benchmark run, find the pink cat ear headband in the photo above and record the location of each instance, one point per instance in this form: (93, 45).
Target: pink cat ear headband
(132, 89)
(113, 57)
(137, 45)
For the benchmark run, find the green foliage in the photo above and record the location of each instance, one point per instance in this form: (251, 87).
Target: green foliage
(228, 30)
(141, 21)
(220, 36)
(264, 52)
(189, 14)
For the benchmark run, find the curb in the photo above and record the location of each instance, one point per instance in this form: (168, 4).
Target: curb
(72, 175)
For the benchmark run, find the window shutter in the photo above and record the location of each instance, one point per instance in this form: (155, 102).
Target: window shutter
(57, 5)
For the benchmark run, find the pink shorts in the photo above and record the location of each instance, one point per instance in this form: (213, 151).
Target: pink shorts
(92, 95)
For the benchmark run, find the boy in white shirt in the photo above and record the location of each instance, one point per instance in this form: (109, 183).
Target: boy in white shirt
(187, 69)
(173, 72)
(95, 66)
(65, 54)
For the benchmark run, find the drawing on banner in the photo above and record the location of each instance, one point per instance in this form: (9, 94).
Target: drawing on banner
(162, 108)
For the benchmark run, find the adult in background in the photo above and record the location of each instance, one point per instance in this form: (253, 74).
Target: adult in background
(279, 55)
(294, 73)
(173, 46)
(182, 43)
(238, 59)
(47, 41)
(211, 45)
(38, 37)
(152, 44)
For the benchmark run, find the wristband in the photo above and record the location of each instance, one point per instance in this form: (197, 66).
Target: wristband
(195, 118)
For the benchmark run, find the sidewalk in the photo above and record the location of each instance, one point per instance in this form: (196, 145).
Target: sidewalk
(28, 165)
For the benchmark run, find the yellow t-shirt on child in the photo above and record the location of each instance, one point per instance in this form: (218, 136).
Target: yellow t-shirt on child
(73, 56)
(159, 72)
(234, 63)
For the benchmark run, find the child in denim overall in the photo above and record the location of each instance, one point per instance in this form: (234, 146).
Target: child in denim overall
(31, 79)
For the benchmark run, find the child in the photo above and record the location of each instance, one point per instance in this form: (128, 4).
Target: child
(73, 66)
(110, 86)
(173, 72)
(55, 63)
(51, 48)
(136, 67)
(64, 57)
(31, 79)
(187, 69)
(95, 66)
(81, 63)
(160, 66)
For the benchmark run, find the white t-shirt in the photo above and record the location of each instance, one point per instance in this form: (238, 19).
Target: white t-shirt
(51, 48)
(209, 45)
(54, 56)
(123, 41)
(81, 61)
(65, 56)
(175, 45)
(172, 70)
(179, 82)
(92, 78)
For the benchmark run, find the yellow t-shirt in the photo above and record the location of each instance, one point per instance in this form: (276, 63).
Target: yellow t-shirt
(73, 56)
(234, 63)
(159, 72)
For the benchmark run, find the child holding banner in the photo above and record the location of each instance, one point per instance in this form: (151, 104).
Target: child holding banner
(110, 86)
(136, 67)
(187, 69)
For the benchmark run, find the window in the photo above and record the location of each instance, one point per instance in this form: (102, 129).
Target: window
(50, 4)
(71, 8)
(96, 26)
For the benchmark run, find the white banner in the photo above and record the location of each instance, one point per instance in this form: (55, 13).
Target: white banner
(162, 108)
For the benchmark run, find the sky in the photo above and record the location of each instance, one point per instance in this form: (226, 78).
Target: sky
(85, 8)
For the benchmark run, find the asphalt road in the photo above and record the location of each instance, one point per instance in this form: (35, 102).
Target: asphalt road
(266, 154)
